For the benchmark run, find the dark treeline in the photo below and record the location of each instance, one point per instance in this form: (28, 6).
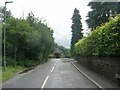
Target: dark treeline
(100, 13)
(28, 41)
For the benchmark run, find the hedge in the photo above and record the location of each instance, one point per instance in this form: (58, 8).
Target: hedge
(103, 41)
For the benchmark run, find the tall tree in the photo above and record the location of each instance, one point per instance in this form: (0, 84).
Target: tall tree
(76, 28)
(101, 11)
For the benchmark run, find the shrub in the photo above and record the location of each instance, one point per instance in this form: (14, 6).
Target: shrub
(103, 41)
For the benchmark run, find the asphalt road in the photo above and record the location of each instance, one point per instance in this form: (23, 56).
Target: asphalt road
(56, 73)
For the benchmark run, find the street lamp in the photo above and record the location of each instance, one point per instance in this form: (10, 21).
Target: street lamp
(4, 62)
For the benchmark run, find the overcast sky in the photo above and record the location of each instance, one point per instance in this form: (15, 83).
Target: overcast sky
(57, 13)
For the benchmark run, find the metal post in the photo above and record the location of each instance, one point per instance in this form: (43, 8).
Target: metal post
(4, 62)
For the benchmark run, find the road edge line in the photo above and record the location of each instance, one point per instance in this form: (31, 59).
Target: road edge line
(99, 86)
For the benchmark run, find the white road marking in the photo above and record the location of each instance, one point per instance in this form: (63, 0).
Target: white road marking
(88, 77)
(52, 69)
(45, 81)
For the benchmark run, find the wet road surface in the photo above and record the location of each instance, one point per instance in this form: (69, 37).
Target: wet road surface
(56, 73)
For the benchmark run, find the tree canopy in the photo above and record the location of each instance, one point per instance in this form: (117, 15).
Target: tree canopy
(29, 41)
(101, 11)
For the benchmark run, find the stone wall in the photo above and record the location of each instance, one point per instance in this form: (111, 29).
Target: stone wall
(106, 66)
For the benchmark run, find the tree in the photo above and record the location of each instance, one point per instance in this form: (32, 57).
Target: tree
(31, 19)
(118, 8)
(76, 28)
(101, 11)
(28, 42)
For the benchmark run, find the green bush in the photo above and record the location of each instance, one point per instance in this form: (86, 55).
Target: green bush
(103, 41)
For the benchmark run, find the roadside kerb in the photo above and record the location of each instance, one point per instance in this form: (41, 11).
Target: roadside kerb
(95, 83)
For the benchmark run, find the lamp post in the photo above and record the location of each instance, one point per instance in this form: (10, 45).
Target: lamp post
(4, 62)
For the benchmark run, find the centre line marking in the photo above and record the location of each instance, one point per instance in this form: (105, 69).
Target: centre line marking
(45, 81)
(52, 69)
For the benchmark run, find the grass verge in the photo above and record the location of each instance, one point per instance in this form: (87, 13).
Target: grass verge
(10, 72)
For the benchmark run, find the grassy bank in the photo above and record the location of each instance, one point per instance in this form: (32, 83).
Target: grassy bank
(10, 72)
(13, 71)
